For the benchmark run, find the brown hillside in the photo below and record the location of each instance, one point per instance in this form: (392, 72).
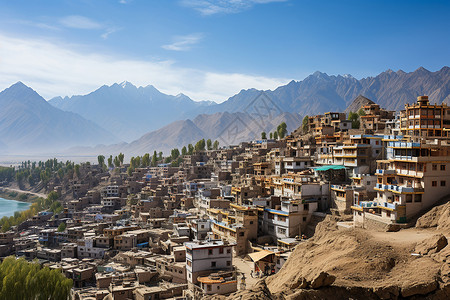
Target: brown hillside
(361, 264)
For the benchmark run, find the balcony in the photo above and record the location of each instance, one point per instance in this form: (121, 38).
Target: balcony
(368, 204)
(381, 187)
(385, 172)
(388, 205)
(404, 189)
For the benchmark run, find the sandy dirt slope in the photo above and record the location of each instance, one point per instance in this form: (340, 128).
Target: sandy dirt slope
(355, 263)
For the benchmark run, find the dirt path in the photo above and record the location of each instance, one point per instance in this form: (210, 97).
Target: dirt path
(25, 192)
(245, 267)
(404, 237)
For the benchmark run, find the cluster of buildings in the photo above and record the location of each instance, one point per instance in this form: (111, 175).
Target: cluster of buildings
(175, 232)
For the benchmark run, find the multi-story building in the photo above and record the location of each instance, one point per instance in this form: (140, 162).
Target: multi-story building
(209, 267)
(412, 178)
(423, 119)
(289, 220)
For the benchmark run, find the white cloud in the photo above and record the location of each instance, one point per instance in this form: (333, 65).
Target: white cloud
(124, 1)
(80, 22)
(183, 43)
(54, 70)
(211, 7)
(108, 32)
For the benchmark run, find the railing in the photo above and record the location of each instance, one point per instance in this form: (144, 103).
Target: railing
(385, 172)
(368, 204)
(388, 205)
(380, 186)
(403, 189)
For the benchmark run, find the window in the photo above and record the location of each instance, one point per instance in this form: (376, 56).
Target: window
(306, 206)
(228, 250)
(434, 167)
(228, 263)
(220, 250)
(304, 219)
(213, 264)
(443, 183)
(210, 252)
(208, 287)
(251, 222)
(418, 198)
(434, 183)
(408, 198)
(442, 167)
(241, 233)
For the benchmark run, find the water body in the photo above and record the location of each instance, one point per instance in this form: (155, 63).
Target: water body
(8, 207)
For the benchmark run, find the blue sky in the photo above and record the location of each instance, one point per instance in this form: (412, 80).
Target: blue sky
(211, 49)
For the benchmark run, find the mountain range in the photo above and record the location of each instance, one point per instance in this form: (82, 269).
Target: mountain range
(320, 92)
(29, 124)
(129, 111)
(144, 119)
(227, 128)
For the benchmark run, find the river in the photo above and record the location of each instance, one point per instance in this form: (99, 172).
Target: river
(8, 207)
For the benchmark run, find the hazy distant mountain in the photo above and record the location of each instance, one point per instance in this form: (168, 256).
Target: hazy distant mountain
(129, 111)
(227, 128)
(319, 92)
(28, 123)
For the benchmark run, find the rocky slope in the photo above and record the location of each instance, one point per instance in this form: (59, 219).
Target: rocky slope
(360, 264)
(359, 102)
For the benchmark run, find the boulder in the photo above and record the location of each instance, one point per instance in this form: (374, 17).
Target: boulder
(419, 288)
(387, 292)
(323, 279)
(431, 245)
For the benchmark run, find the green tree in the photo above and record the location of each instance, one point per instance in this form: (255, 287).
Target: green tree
(62, 227)
(160, 155)
(305, 122)
(20, 279)
(146, 160)
(271, 135)
(110, 162)
(190, 149)
(263, 135)
(200, 145)
(174, 154)
(154, 159)
(275, 135)
(183, 150)
(137, 161)
(281, 130)
(208, 144)
(101, 160)
(77, 170)
(354, 117)
(116, 162)
(121, 157)
(216, 145)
